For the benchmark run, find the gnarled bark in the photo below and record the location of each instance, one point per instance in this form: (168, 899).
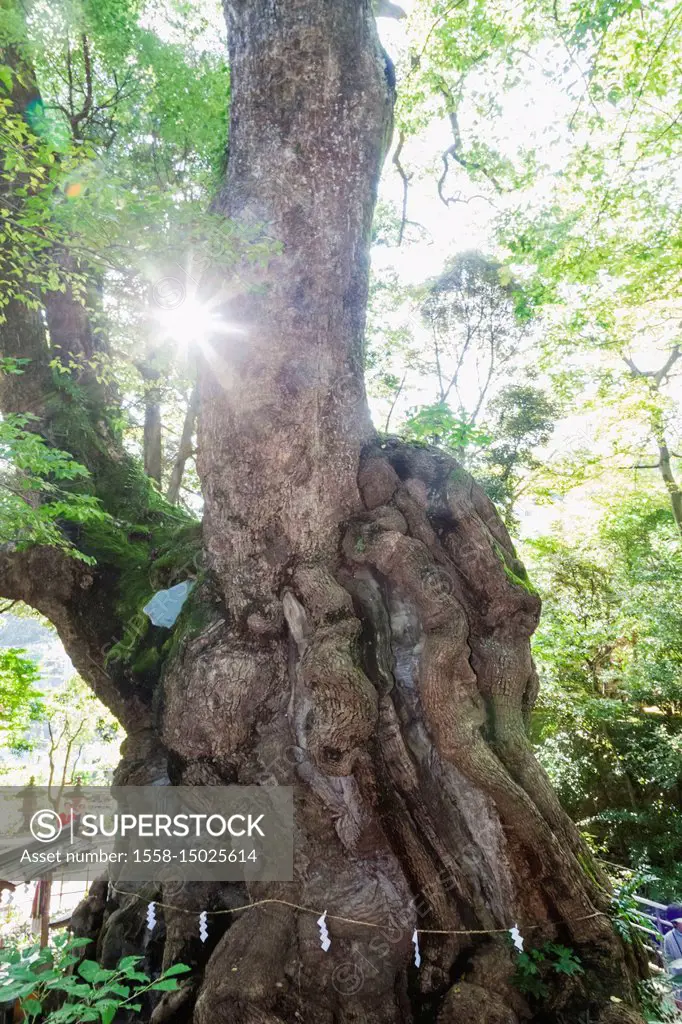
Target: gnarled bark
(362, 633)
(374, 644)
(395, 708)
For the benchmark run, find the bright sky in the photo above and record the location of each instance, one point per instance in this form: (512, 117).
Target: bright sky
(531, 115)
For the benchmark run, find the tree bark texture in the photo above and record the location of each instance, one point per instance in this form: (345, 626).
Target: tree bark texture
(311, 108)
(359, 630)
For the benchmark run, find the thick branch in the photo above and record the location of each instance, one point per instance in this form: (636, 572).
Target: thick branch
(79, 601)
(659, 376)
(152, 446)
(21, 332)
(84, 112)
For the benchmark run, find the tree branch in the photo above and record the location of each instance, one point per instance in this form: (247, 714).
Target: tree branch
(657, 376)
(80, 603)
(405, 178)
(661, 375)
(670, 482)
(394, 402)
(86, 109)
(455, 152)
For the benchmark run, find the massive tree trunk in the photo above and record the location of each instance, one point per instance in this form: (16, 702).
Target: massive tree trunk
(360, 630)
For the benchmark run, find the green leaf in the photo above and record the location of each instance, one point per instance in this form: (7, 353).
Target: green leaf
(129, 961)
(116, 988)
(136, 976)
(107, 1009)
(165, 985)
(103, 975)
(17, 991)
(79, 943)
(70, 985)
(176, 969)
(89, 970)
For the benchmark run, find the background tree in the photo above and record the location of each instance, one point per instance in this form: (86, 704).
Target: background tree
(475, 330)
(20, 698)
(475, 324)
(478, 334)
(581, 192)
(520, 421)
(74, 720)
(608, 720)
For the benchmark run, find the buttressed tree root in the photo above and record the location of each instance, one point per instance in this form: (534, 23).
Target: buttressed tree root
(395, 706)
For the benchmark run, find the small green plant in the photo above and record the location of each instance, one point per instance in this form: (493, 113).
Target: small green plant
(79, 990)
(627, 915)
(535, 967)
(9, 364)
(31, 469)
(438, 425)
(656, 1000)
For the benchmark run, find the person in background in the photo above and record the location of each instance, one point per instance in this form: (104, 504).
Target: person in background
(672, 950)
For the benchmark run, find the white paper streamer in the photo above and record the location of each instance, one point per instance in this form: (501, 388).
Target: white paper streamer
(417, 954)
(151, 916)
(165, 606)
(325, 941)
(516, 938)
(203, 925)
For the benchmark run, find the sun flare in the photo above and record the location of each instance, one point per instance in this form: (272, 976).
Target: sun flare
(186, 320)
(191, 322)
